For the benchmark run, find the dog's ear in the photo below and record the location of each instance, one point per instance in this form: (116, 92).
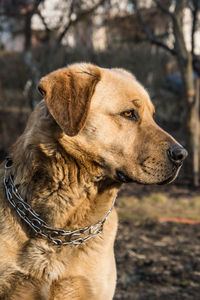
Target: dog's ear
(68, 94)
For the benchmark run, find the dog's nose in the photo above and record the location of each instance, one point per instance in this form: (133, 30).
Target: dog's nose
(177, 154)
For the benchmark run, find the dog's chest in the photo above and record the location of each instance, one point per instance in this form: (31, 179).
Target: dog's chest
(49, 262)
(77, 268)
(91, 273)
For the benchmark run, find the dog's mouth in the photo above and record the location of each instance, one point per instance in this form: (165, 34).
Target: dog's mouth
(124, 178)
(172, 177)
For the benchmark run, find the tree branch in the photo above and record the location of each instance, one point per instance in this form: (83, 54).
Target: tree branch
(62, 34)
(180, 5)
(43, 21)
(149, 35)
(16, 12)
(180, 45)
(194, 23)
(27, 25)
(164, 8)
(79, 17)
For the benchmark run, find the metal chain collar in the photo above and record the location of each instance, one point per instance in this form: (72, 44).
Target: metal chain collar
(56, 236)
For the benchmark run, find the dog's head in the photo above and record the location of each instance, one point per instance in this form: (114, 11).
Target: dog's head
(108, 115)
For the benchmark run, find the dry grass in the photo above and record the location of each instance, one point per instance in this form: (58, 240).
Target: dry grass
(158, 206)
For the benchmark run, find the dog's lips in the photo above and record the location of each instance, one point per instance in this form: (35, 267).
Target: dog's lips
(167, 181)
(122, 177)
(172, 177)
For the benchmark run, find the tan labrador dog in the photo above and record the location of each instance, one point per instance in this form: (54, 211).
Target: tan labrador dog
(93, 131)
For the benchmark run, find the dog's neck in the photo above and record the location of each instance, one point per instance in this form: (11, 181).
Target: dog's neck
(66, 192)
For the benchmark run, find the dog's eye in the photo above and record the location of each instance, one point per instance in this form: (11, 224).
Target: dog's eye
(129, 114)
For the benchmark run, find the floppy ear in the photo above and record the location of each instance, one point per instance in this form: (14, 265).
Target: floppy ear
(68, 94)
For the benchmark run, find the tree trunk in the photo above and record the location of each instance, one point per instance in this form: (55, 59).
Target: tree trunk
(197, 132)
(30, 87)
(192, 104)
(27, 31)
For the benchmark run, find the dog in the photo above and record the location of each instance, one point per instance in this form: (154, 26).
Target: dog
(92, 132)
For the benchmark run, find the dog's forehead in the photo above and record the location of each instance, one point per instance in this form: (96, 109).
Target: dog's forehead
(118, 87)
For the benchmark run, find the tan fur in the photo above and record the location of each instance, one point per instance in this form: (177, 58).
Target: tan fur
(65, 168)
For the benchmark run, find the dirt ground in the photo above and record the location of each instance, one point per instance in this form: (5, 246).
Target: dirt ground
(158, 260)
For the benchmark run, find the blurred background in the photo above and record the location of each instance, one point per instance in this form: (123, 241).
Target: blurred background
(158, 241)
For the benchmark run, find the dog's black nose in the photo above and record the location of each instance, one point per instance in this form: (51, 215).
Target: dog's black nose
(177, 154)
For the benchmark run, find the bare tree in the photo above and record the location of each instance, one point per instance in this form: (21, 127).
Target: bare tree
(78, 10)
(70, 12)
(187, 62)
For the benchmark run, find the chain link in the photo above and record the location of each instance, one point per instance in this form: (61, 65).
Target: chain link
(56, 236)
